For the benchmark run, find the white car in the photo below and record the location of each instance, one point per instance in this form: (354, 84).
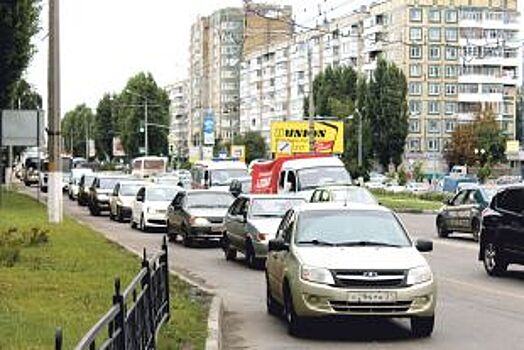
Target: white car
(417, 187)
(74, 180)
(121, 199)
(149, 208)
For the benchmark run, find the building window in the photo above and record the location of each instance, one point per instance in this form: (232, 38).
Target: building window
(415, 70)
(434, 52)
(451, 53)
(414, 144)
(433, 126)
(451, 107)
(414, 126)
(451, 16)
(433, 145)
(434, 34)
(415, 107)
(433, 107)
(450, 126)
(451, 89)
(415, 34)
(415, 88)
(433, 89)
(415, 14)
(451, 71)
(434, 15)
(415, 51)
(434, 71)
(451, 34)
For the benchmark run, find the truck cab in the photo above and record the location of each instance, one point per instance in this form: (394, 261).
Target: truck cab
(217, 174)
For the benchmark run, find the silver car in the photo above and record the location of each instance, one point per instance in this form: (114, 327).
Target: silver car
(251, 221)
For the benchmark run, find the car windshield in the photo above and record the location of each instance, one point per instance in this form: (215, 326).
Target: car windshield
(160, 194)
(107, 183)
(354, 195)
(209, 200)
(312, 178)
(225, 176)
(167, 180)
(129, 189)
(488, 193)
(351, 228)
(88, 180)
(273, 207)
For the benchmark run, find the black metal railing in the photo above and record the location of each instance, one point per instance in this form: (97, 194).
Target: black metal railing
(137, 313)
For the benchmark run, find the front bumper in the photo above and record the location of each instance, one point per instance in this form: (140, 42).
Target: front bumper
(102, 204)
(208, 232)
(317, 300)
(125, 212)
(260, 248)
(155, 220)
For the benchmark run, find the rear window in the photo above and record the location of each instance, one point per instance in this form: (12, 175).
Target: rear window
(511, 200)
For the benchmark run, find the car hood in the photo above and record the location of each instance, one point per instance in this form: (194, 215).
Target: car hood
(127, 201)
(376, 258)
(100, 191)
(207, 212)
(158, 205)
(266, 225)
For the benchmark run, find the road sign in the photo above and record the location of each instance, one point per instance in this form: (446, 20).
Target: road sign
(19, 127)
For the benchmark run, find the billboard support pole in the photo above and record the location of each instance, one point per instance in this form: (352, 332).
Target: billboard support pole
(311, 106)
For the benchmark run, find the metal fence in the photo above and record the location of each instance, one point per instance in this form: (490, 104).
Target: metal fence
(137, 313)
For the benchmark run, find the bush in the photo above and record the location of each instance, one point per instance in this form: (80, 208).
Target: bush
(12, 241)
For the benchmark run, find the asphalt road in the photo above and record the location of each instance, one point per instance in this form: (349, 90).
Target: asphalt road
(474, 311)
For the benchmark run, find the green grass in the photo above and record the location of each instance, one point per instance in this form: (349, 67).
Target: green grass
(68, 282)
(408, 201)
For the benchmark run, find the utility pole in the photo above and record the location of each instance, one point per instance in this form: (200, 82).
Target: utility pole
(311, 102)
(359, 138)
(146, 138)
(54, 200)
(87, 139)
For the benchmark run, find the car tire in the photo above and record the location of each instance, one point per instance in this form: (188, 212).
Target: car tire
(133, 223)
(422, 327)
(295, 323)
(143, 226)
(441, 229)
(171, 234)
(119, 216)
(187, 241)
(494, 264)
(229, 253)
(272, 306)
(94, 210)
(251, 257)
(475, 228)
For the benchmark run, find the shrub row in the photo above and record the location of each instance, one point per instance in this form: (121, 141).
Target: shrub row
(13, 240)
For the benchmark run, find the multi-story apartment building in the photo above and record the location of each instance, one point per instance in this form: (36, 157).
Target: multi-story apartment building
(178, 125)
(460, 57)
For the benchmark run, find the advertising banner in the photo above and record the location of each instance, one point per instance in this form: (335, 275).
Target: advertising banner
(292, 137)
(209, 129)
(239, 152)
(20, 127)
(118, 148)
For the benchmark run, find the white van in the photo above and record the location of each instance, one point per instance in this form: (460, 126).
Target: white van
(217, 173)
(144, 167)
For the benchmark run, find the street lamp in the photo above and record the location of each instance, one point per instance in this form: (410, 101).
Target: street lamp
(146, 143)
(350, 117)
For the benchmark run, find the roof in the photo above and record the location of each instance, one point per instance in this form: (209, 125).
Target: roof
(312, 162)
(338, 206)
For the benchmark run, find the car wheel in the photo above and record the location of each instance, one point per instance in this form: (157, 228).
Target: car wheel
(494, 264)
(273, 308)
(251, 257)
(187, 241)
(143, 226)
(133, 223)
(229, 252)
(171, 235)
(119, 216)
(422, 327)
(475, 227)
(441, 229)
(94, 210)
(111, 216)
(295, 323)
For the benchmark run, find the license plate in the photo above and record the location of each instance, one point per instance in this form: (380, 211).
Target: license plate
(372, 297)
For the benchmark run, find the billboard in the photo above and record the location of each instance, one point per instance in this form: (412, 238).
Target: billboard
(239, 152)
(291, 137)
(209, 128)
(19, 127)
(118, 148)
(194, 154)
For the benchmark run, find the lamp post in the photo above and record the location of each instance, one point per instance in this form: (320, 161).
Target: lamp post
(146, 143)
(350, 117)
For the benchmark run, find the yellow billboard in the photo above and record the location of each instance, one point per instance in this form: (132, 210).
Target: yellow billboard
(238, 151)
(291, 137)
(512, 146)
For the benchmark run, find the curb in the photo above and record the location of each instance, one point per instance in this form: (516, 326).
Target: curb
(216, 309)
(416, 211)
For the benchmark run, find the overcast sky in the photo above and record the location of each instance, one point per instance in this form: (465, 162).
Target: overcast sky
(105, 42)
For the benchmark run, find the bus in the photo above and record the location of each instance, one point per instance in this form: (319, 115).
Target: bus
(217, 173)
(144, 167)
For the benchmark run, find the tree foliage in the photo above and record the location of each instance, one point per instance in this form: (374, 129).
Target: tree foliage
(77, 127)
(24, 96)
(482, 134)
(18, 24)
(105, 126)
(254, 143)
(131, 115)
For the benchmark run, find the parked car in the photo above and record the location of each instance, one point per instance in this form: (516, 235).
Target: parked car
(149, 209)
(502, 233)
(357, 260)
(74, 181)
(417, 187)
(251, 221)
(343, 194)
(185, 177)
(83, 188)
(170, 180)
(462, 213)
(99, 191)
(121, 199)
(198, 215)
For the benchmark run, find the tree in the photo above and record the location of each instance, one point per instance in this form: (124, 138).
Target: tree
(105, 127)
(24, 96)
(255, 145)
(131, 115)
(77, 127)
(387, 109)
(18, 24)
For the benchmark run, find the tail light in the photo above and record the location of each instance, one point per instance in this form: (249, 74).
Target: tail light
(262, 236)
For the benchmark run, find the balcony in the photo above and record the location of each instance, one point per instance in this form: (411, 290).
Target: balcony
(480, 97)
(508, 79)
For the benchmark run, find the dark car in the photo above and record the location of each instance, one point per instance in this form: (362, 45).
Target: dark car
(198, 215)
(83, 188)
(101, 188)
(502, 233)
(462, 213)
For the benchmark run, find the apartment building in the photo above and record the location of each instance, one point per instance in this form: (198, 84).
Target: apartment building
(178, 125)
(460, 57)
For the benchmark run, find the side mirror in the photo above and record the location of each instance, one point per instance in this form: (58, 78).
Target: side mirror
(277, 245)
(448, 201)
(140, 198)
(424, 245)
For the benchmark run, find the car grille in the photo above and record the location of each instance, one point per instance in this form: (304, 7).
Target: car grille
(156, 222)
(369, 278)
(345, 306)
(216, 220)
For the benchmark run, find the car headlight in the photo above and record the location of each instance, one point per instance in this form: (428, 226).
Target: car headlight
(418, 275)
(151, 210)
(316, 275)
(103, 197)
(200, 221)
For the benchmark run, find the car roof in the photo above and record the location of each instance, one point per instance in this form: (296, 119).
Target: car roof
(207, 191)
(312, 162)
(340, 187)
(339, 206)
(131, 182)
(269, 196)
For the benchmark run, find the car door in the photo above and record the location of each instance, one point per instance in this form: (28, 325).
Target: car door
(113, 199)
(452, 211)
(237, 225)
(511, 230)
(276, 265)
(466, 211)
(231, 222)
(138, 204)
(175, 219)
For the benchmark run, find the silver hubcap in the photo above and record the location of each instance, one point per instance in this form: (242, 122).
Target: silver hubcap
(489, 256)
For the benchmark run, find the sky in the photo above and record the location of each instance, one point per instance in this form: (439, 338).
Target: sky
(105, 42)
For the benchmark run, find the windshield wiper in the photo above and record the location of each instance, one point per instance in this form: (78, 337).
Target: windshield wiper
(367, 244)
(317, 242)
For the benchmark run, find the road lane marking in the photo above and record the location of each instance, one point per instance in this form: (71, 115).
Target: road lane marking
(476, 287)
